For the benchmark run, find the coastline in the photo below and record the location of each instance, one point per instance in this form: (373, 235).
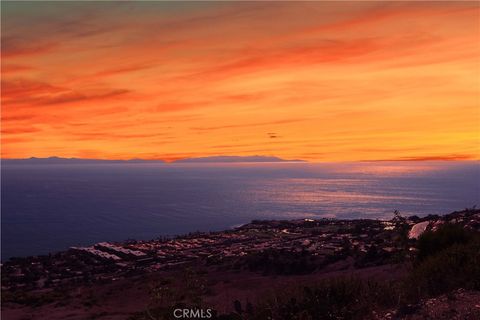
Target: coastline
(264, 223)
(267, 252)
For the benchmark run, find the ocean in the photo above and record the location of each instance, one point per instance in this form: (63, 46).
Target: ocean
(47, 208)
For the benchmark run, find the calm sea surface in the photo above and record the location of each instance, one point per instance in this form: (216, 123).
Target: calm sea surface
(48, 208)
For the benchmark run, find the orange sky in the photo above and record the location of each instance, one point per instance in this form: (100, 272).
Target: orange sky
(320, 81)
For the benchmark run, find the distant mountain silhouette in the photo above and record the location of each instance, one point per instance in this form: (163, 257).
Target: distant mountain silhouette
(215, 159)
(58, 160)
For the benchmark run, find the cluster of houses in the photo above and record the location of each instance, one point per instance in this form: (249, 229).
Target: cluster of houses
(97, 253)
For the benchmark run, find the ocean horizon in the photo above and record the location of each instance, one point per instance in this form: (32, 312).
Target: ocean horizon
(48, 208)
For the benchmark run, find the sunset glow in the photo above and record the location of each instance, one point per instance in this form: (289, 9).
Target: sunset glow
(320, 81)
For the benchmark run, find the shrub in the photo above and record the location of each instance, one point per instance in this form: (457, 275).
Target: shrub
(457, 266)
(432, 242)
(34, 300)
(341, 298)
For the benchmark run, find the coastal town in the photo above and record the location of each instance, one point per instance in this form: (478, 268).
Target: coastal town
(324, 241)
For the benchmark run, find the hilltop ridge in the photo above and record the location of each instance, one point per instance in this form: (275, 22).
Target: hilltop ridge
(220, 159)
